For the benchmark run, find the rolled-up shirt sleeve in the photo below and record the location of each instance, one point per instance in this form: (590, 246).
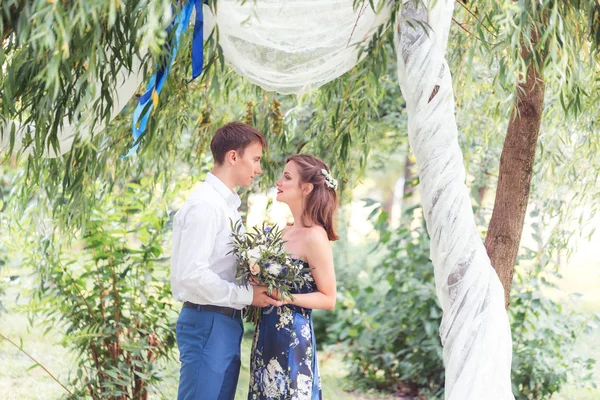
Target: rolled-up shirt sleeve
(195, 230)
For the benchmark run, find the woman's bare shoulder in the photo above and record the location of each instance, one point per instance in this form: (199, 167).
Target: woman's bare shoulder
(316, 234)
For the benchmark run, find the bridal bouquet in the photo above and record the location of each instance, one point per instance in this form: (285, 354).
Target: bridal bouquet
(261, 258)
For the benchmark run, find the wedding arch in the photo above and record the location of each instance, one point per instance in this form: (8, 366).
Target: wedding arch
(288, 47)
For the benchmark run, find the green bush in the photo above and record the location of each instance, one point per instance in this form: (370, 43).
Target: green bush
(111, 297)
(388, 320)
(351, 261)
(544, 332)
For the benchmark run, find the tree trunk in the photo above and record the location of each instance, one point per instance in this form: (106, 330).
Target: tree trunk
(408, 189)
(514, 181)
(408, 177)
(481, 192)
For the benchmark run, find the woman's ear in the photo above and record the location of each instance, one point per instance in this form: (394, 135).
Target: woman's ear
(307, 188)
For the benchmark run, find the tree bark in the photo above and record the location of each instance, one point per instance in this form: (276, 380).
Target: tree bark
(408, 189)
(514, 181)
(408, 177)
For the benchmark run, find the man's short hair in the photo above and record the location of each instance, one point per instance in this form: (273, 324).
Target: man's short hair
(234, 136)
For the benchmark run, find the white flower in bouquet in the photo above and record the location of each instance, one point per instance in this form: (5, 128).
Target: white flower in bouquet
(253, 255)
(274, 268)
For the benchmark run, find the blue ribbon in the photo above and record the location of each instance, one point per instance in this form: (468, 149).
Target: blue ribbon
(147, 101)
(198, 41)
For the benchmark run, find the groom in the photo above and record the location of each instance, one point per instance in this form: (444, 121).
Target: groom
(209, 328)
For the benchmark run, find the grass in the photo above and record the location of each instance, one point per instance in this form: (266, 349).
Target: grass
(17, 380)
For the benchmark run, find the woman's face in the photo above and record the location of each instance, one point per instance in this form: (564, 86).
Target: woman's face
(288, 186)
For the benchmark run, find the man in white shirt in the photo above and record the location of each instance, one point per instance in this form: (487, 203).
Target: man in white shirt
(209, 328)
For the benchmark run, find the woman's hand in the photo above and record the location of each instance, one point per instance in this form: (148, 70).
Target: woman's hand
(275, 294)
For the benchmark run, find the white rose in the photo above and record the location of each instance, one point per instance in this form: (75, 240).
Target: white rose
(274, 269)
(253, 255)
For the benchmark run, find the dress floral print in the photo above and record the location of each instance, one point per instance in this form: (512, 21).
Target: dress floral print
(283, 362)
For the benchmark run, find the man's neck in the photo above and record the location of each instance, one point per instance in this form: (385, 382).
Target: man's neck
(224, 177)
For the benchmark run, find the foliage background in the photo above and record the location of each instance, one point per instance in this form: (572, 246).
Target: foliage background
(49, 257)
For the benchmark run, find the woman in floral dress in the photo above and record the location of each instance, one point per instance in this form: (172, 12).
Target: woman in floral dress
(284, 353)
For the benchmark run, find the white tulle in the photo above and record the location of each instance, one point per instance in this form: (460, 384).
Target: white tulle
(294, 46)
(475, 331)
(127, 85)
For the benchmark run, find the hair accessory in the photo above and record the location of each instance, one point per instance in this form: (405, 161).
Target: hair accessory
(329, 180)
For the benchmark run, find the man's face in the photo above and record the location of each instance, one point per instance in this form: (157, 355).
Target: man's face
(248, 164)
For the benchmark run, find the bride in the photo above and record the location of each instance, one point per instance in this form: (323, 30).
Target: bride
(283, 361)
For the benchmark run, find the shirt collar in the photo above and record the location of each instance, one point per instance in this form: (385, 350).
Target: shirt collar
(229, 195)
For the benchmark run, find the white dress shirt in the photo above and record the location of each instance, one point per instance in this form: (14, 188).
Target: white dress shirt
(201, 270)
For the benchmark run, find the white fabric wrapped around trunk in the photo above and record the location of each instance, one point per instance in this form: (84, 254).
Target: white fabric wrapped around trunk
(475, 331)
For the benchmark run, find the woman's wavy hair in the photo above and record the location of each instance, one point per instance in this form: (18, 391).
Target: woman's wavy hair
(321, 203)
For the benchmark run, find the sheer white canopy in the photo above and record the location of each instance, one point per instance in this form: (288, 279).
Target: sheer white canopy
(294, 46)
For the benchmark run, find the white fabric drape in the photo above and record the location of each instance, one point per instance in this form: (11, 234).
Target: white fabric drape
(294, 46)
(475, 331)
(127, 85)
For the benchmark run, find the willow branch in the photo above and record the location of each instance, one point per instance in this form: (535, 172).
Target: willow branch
(36, 362)
(463, 5)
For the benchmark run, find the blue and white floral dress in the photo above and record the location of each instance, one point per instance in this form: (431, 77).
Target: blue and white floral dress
(283, 362)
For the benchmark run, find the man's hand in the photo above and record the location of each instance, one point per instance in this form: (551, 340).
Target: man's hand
(254, 282)
(262, 299)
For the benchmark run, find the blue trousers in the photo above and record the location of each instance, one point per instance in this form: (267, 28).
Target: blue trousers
(209, 351)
